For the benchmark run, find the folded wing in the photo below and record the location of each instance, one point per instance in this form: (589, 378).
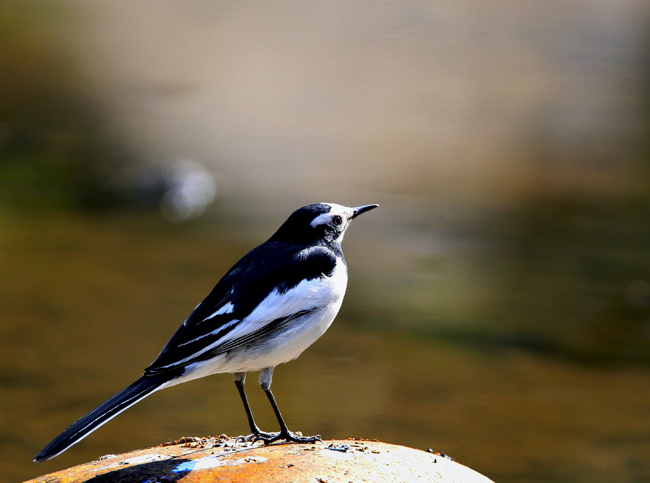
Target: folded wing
(253, 299)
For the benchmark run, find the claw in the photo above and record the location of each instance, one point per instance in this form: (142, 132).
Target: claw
(289, 437)
(255, 437)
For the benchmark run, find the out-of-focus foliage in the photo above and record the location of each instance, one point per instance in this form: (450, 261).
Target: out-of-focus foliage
(56, 151)
(507, 143)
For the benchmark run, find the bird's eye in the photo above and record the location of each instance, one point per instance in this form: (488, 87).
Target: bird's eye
(337, 220)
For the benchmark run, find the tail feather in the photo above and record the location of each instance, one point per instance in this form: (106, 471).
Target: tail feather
(101, 415)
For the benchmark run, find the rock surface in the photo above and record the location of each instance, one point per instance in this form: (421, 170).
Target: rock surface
(223, 459)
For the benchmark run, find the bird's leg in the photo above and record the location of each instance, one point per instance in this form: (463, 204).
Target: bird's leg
(266, 377)
(240, 380)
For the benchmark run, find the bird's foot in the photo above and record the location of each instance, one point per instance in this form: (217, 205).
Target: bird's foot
(289, 437)
(256, 436)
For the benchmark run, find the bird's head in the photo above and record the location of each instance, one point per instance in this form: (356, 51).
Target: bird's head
(319, 222)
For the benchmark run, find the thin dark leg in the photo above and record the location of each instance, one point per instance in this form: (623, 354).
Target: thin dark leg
(283, 426)
(284, 433)
(240, 380)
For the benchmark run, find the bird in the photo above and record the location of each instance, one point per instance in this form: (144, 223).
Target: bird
(266, 310)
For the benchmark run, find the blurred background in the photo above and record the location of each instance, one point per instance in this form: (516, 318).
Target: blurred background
(499, 300)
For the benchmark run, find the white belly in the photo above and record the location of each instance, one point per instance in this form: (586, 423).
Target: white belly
(325, 296)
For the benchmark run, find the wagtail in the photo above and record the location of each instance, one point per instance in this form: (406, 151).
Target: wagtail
(272, 305)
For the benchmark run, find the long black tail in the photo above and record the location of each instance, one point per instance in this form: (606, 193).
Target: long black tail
(102, 414)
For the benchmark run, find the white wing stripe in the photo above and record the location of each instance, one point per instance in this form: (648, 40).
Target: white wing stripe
(224, 309)
(232, 322)
(198, 353)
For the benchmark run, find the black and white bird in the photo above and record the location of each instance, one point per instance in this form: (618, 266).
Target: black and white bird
(272, 305)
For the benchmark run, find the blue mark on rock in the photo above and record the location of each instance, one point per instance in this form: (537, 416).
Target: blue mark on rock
(213, 462)
(186, 466)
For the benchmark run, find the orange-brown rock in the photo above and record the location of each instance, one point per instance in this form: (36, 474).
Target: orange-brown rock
(225, 460)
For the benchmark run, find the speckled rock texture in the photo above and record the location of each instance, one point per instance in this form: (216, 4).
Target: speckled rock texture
(223, 459)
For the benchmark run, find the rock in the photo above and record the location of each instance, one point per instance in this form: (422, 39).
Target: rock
(222, 459)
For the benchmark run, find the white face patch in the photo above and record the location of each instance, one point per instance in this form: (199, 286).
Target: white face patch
(343, 211)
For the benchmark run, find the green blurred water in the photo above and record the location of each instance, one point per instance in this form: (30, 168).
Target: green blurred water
(498, 308)
(87, 303)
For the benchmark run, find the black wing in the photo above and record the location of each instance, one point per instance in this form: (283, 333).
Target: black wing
(272, 266)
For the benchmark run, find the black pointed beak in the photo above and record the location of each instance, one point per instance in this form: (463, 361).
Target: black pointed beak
(362, 209)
